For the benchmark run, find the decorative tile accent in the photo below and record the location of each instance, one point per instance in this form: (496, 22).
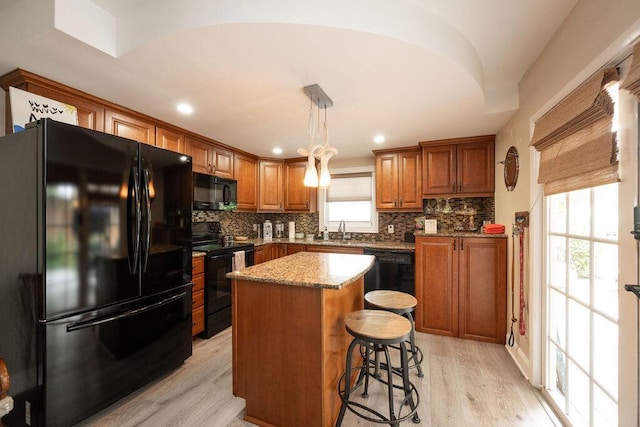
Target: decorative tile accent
(241, 223)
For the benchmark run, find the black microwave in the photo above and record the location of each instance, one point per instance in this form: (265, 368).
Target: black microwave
(214, 193)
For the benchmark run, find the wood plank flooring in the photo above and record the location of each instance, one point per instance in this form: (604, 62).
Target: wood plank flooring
(466, 383)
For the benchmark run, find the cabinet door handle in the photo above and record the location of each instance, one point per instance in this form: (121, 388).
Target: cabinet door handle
(455, 244)
(453, 188)
(460, 187)
(462, 244)
(400, 202)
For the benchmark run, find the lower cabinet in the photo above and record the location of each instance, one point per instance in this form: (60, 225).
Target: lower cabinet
(461, 287)
(260, 254)
(276, 250)
(197, 308)
(334, 249)
(292, 248)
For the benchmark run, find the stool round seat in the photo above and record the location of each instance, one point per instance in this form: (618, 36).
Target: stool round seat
(397, 302)
(376, 326)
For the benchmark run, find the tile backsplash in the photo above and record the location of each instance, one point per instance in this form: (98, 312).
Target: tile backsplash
(241, 223)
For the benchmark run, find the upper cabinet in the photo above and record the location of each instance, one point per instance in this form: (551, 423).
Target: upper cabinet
(270, 196)
(297, 197)
(90, 109)
(245, 169)
(126, 126)
(398, 180)
(170, 140)
(458, 167)
(210, 159)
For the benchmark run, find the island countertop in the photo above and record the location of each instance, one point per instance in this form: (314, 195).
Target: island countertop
(309, 269)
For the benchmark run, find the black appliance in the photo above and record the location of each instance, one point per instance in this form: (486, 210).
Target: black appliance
(207, 237)
(392, 270)
(214, 193)
(95, 273)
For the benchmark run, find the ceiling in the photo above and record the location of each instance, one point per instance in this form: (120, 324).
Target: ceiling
(412, 70)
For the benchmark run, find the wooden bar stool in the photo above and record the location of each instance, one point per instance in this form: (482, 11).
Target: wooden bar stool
(403, 304)
(377, 330)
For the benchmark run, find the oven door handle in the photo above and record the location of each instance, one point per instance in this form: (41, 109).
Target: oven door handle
(220, 256)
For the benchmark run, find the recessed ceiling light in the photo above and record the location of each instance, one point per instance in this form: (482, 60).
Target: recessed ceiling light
(378, 139)
(185, 108)
(277, 150)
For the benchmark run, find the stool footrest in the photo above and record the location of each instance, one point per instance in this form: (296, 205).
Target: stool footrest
(364, 410)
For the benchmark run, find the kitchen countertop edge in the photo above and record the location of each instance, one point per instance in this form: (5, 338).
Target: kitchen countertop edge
(304, 269)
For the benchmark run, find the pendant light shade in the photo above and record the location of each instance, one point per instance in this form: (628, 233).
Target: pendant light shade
(311, 175)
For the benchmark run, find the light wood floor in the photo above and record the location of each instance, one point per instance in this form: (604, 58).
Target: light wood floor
(466, 383)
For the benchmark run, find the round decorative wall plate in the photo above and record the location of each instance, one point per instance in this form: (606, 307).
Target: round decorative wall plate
(511, 168)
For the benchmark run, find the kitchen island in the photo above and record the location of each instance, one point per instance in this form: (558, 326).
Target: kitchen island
(289, 340)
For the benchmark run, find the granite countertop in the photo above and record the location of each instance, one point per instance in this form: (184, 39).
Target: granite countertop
(307, 269)
(196, 254)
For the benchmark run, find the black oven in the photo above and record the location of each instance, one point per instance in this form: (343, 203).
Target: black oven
(217, 303)
(392, 270)
(218, 262)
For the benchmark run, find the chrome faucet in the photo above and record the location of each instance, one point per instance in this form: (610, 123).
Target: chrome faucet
(342, 228)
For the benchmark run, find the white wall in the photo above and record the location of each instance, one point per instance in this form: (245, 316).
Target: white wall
(596, 33)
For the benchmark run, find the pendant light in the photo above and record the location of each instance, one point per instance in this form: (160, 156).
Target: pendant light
(321, 149)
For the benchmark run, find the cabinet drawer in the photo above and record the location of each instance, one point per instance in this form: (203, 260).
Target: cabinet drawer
(197, 318)
(197, 298)
(197, 265)
(198, 282)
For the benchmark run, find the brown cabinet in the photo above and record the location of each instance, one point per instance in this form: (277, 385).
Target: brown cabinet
(334, 249)
(460, 166)
(197, 298)
(170, 140)
(399, 180)
(260, 254)
(279, 250)
(270, 196)
(126, 126)
(90, 110)
(461, 287)
(209, 158)
(293, 248)
(246, 173)
(297, 197)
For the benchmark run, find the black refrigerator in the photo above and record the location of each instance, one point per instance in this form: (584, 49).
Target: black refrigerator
(95, 269)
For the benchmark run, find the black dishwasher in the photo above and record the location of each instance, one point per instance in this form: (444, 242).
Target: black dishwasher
(393, 270)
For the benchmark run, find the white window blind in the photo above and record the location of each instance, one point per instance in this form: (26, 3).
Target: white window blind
(354, 187)
(350, 198)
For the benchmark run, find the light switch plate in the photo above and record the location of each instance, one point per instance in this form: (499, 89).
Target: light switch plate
(390, 229)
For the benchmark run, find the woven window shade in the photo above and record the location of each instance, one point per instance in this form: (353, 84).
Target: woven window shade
(350, 187)
(632, 81)
(577, 147)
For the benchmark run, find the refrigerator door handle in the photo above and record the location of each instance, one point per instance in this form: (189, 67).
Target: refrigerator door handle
(133, 220)
(147, 215)
(76, 326)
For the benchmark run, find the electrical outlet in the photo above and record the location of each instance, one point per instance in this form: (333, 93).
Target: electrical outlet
(390, 229)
